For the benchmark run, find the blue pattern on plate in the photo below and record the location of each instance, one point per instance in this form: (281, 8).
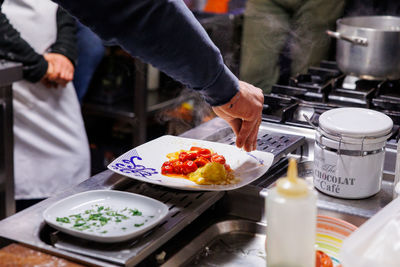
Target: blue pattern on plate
(254, 157)
(128, 165)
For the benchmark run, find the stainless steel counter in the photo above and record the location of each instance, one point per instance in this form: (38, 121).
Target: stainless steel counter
(28, 227)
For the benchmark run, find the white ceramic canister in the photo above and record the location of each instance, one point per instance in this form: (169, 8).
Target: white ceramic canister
(349, 152)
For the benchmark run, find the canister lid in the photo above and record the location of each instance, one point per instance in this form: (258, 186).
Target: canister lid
(355, 123)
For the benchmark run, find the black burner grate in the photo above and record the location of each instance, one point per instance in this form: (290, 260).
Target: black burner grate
(278, 144)
(325, 87)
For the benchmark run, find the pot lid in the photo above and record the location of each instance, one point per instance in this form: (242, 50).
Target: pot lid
(355, 122)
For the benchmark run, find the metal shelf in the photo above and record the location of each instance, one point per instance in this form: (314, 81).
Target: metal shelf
(128, 109)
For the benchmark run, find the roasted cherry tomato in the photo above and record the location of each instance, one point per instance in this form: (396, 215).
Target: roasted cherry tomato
(184, 156)
(189, 166)
(204, 152)
(227, 167)
(178, 167)
(322, 259)
(201, 151)
(192, 155)
(168, 169)
(218, 158)
(167, 163)
(201, 161)
(190, 161)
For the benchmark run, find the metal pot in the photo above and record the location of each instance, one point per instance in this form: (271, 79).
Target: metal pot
(368, 46)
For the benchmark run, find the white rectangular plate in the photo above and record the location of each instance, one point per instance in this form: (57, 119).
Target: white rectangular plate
(144, 163)
(152, 212)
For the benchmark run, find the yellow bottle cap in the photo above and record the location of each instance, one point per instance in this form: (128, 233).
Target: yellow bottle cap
(292, 185)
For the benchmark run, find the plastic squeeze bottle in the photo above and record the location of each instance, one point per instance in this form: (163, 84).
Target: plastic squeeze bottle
(291, 222)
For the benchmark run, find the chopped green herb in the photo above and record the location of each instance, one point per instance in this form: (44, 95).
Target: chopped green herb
(94, 217)
(82, 228)
(103, 219)
(135, 212)
(98, 216)
(63, 219)
(110, 213)
(79, 224)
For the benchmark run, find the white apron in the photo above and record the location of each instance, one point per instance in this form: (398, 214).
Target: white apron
(51, 150)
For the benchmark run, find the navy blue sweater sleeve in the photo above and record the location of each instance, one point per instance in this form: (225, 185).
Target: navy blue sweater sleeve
(164, 33)
(66, 43)
(13, 47)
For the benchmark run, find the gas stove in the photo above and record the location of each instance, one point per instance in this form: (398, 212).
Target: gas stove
(325, 87)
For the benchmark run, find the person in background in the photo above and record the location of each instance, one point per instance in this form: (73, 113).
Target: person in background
(269, 25)
(90, 53)
(51, 150)
(166, 34)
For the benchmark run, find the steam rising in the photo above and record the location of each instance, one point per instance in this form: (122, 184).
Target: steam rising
(296, 32)
(189, 111)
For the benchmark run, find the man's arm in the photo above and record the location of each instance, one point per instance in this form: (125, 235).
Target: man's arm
(14, 48)
(164, 33)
